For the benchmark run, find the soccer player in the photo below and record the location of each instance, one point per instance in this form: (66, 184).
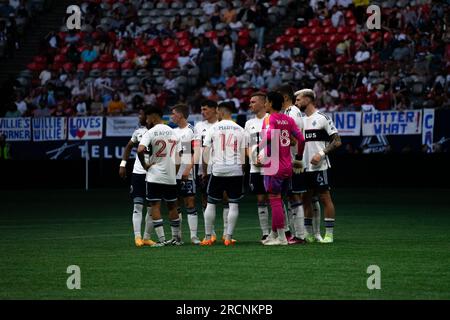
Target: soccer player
(224, 149)
(185, 175)
(296, 214)
(209, 113)
(321, 139)
(253, 129)
(137, 191)
(161, 173)
(299, 183)
(278, 131)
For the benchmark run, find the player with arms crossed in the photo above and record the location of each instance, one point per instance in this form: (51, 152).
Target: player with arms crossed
(278, 130)
(253, 129)
(137, 191)
(299, 183)
(321, 138)
(224, 149)
(185, 175)
(161, 173)
(209, 113)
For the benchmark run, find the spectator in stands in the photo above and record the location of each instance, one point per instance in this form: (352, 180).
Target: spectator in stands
(197, 29)
(184, 61)
(120, 54)
(42, 110)
(208, 59)
(154, 61)
(261, 22)
(256, 78)
(337, 17)
(227, 61)
(80, 90)
(12, 111)
(273, 80)
(89, 54)
(402, 52)
(116, 106)
(96, 107)
(103, 83)
(362, 55)
(80, 106)
(229, 14)
(20, 104)
(150, 97)
(72, 37)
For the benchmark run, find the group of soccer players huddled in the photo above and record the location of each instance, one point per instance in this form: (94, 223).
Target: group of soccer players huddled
(287, 145)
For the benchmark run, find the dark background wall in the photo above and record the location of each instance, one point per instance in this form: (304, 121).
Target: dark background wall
(348, 170)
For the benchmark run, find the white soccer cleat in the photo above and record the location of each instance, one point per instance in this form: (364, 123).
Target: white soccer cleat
(318, 237)
(195, 241)
(276, 242)
(272, 236)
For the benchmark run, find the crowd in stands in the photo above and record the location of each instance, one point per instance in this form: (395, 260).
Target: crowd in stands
(15, 17)
(134, 53)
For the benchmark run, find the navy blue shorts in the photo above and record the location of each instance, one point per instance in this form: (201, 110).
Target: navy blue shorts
(257, 183)
(298, 183)
(159, 192)
(317, 180)
(186, 188)
(277, 185)
(233, 186)
(138, 188)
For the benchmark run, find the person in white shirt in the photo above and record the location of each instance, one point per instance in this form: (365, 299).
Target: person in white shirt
(185, 175)
(337, 18)
(253, 129)
(321, 138)
(120, 54)
(161, 173)
(362, 55)
(138, 187)
(224, 145)
(209, 113)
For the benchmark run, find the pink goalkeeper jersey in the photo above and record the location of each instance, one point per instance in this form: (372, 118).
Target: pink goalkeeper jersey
(277, 131)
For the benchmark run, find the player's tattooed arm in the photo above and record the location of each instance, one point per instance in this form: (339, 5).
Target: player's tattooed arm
(126, 156)
(141, 157)
(335, 143)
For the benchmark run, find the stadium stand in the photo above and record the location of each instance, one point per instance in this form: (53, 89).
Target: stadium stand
(164, 52)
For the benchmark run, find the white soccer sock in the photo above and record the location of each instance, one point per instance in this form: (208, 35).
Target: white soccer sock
(316, 216)
(299, 220)
(226, 211)
(159, 229)
(180, 216)
(175, 228)
(148, 224)
(210, 216)
(263, 214)
(308, 225)
(213, 232)
(192, 221)
(137, 219)
(292, 216)
(281, 235)
(329, 225)
(232, 219)
(286, 217)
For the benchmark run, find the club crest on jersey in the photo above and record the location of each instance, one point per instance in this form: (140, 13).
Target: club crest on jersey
(314, 123)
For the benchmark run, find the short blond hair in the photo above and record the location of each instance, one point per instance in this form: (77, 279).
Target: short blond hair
(306, 93)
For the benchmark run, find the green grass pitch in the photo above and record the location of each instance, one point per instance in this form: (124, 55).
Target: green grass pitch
(404, 232)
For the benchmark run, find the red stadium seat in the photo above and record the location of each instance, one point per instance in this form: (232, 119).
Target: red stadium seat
(329, 30)
(153, 42)
(349, 14)
(86, 66)
(303, 31)
(173, 49)
(167, 56)
(374, 36)
(182, 35)
(351, 22)
(127, 65)
(99, 65)
(211, 34)
(187, 48)
(183, 42)
(342, 30)
(306, 39)
(327, 23)
(106, 58)
(316, 30)
(60, 58)
(113, 66)
(313, 23)
(168, 43)
(290, 32)
(37, 67)
(171, 64)
(68, 67)
(40, 59)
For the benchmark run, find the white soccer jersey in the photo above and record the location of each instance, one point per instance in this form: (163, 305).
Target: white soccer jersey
(135, 139)
(164, 143)
(295, 113)
(200, 130)
(318, 129)
(186, 136)
(227, 141)
(253, 129)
